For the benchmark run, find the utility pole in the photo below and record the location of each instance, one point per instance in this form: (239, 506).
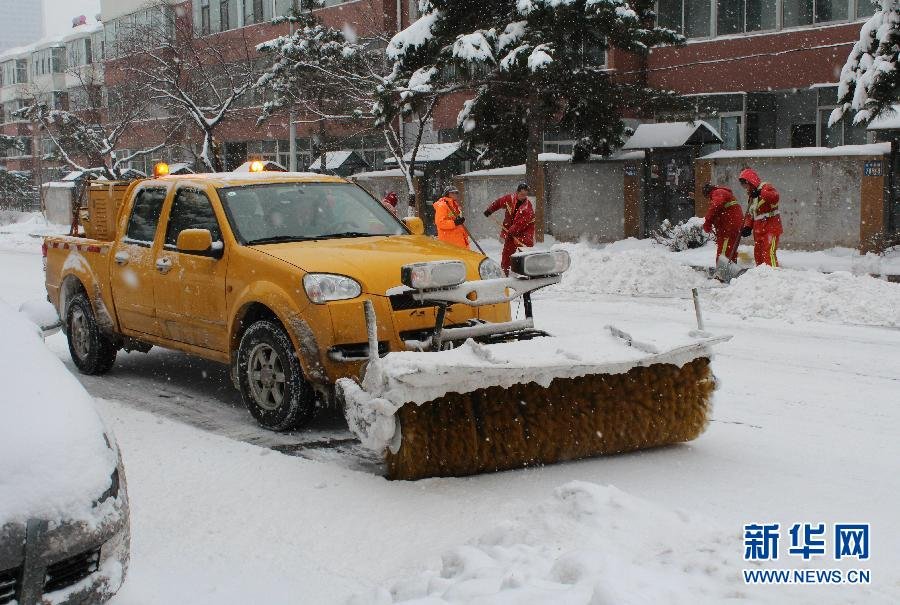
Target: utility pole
(292, 125)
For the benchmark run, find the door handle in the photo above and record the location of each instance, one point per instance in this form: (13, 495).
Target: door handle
(164, 264)
(122, 258)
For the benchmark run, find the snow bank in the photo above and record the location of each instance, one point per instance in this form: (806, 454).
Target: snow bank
(54, 459)
(805, 295)
(631, 268)
(27, 230)
(588, 544)
(418, 377)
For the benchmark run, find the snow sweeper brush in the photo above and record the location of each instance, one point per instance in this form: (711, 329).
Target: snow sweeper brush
(494, 396)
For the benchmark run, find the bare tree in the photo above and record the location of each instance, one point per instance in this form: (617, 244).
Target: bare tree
(335, 81)
(197, 78)
(89, 136)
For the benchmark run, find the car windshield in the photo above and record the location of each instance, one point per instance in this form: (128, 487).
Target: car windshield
(283, 212)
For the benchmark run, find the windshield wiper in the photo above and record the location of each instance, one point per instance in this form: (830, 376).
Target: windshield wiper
(346, 234)
(279, 238)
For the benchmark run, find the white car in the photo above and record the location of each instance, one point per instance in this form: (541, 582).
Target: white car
(64, 526)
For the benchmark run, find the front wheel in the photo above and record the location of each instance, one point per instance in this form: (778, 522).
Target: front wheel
(91, 350)
(270, 378)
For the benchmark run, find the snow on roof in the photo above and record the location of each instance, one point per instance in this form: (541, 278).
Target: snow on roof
(180, 168)
(393, 172)
(268, 165)
(792, 152)
(550, 157)
(82, 31)
(430, 152)
(890, 120)
(672, 134)
(336, 159)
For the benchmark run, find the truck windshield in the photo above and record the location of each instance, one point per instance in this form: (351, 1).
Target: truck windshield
(283, 212)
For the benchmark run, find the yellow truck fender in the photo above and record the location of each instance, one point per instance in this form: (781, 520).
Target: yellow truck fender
(263, 298)
(78, 275)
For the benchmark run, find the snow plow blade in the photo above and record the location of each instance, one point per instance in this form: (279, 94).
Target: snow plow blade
(488, 397)
(504, 416)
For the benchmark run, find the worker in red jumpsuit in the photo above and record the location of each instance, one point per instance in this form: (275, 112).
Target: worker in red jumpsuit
(390, 202)
(517, 231)
(724, 217)
(763, 220)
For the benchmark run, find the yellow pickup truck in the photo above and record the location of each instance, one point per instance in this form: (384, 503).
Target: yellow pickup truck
(267, 272)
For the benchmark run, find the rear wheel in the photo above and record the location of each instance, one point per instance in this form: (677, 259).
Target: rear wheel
(92, 352)
(270, 378)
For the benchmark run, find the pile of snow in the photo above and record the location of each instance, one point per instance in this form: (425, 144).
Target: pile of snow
(805, 295)
(589, 544)
(418, 377)
(26, 230)
(627, 270)
(54, 459)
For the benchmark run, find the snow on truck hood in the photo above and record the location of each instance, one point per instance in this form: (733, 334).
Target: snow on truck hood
(372, 261)
(54, 459)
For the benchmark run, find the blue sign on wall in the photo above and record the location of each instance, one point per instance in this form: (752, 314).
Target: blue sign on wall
(872, 168)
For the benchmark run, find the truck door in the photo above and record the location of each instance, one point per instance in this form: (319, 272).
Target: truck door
(189, 286)
(132, 271)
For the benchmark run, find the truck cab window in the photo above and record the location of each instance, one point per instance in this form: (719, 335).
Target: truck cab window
(145, 216)
(191, 210)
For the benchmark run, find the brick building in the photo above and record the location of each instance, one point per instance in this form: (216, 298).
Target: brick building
(763, 72)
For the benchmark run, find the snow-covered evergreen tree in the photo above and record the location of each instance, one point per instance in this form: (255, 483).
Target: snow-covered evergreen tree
(870, 79)
(533, 65)
(332, 79)
(325, 73)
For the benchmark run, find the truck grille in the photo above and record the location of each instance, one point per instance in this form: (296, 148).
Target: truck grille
(71, 570)
(9, 584)
(405, 302)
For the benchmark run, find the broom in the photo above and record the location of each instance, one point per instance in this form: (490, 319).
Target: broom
(498, 428)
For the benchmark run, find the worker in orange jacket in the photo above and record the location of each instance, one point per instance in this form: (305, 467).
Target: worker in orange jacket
(449, 219)
(517, 231)
(763, 220)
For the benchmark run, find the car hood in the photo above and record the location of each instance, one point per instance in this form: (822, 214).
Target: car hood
(372, 261)
(55, 457)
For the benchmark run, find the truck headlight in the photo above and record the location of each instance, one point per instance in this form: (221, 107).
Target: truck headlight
(489, 269)
(540, 264)
(325, 287)
(437, 274)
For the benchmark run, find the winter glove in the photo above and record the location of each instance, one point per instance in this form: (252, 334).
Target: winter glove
(746, 231)
(459, 220)
(487, 212)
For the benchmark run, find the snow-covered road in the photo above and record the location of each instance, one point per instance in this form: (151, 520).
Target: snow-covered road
(804, 430)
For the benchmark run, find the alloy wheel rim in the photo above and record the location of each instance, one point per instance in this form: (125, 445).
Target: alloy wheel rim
(266, 376)
(81, 337)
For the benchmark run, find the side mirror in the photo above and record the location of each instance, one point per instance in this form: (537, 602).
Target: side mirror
(415, 225)
(195, 241)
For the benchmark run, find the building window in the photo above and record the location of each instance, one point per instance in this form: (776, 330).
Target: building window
(688, 17)
(224, 16)
(204, 17)
(739, 16)
(255, 11)
(806, 12)
(865, 8)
